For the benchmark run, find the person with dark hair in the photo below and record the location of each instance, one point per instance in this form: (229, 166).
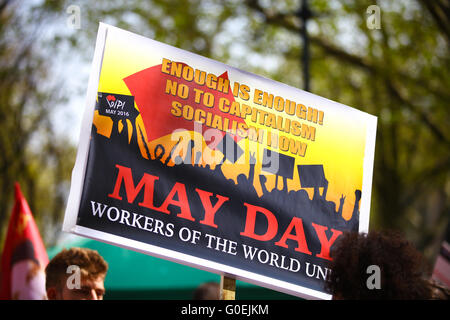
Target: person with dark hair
(86, 264)
(376, 266)
(207, 291)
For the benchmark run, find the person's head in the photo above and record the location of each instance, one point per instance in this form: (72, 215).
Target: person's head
(76, 274)
(207, 291)
(358, 259)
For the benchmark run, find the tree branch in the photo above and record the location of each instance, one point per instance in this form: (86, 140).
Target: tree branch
(425, 176)
(440, 11)
(285, 20)
(417, 110)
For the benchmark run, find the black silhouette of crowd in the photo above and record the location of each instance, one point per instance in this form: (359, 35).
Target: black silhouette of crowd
(293, 203)
(190, 170)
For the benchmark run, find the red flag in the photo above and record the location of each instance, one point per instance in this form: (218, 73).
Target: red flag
(24, 256)
(148, 88)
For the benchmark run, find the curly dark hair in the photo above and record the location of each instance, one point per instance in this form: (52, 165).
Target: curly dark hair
(401, 267)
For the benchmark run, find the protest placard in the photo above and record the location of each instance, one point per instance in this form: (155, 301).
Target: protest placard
(194, 161)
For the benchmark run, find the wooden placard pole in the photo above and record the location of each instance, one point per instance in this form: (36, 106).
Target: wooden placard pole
(227, 288)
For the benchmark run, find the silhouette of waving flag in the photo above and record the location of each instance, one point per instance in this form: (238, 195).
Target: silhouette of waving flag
(278, 163)
(312, 176)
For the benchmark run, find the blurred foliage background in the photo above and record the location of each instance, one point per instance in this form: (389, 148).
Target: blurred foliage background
(400, 73)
